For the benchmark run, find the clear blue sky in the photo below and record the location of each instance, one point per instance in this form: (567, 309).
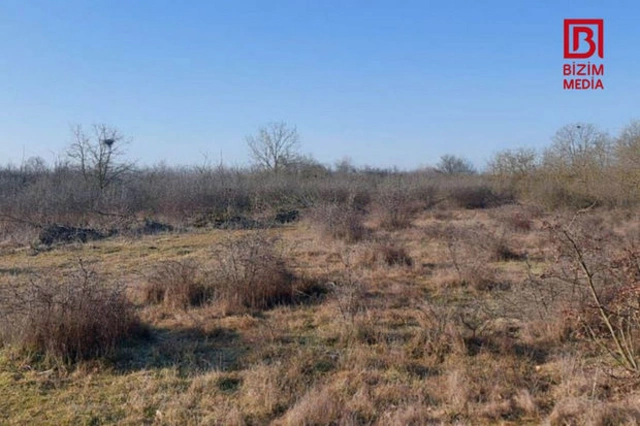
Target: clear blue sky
(384, 82)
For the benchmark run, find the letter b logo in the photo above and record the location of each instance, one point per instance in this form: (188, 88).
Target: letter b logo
(581, 33)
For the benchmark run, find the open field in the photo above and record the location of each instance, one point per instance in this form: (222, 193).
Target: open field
(459, 317)
(319, 213)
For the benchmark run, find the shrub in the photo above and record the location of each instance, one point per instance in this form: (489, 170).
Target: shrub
(396, 210)
(475, 193)
(602, 270)
(439, 333)
(570, 411)
(401, 198)
(474, 197)
(66, 319)
(350, 294)
(178, 284)
(470, 250)
(554, 193)
(517, 218)
(519, 222)
(340, 222)
(501, 252)
(251, 273)
(389, 254)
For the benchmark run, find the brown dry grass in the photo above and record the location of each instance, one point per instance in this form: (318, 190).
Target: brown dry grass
(386, 253)
(429, 324)
(66, 318)
(177, 284)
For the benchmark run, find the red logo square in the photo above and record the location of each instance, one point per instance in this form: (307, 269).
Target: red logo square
(590, 31)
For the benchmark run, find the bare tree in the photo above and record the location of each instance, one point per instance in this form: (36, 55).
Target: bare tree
(275, 146)
(579, 147)
(627, 146)
(627, 157)
(514, 163)
(99, 155)
(452, 165)
(345, 166)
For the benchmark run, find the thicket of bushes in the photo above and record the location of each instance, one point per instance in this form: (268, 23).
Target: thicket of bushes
(197, 196)
(582, 166)
(249, 272)
(65, 319)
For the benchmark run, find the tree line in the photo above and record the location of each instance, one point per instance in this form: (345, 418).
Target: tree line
(95, 182)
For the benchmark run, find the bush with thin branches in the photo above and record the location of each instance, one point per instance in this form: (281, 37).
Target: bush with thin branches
(178, 284)
(252, 273)
(603, 271)
(340, 222)
(66, 318)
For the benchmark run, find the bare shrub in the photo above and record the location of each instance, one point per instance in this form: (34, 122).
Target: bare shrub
(602, 270)
(319, 406)
(526, 402)
(387, 253)
(502, 252)
(473, 197)
(585, 411)
(517, 218)
(350, 294)
(439, 335)
(484, 278)
(514, 168)
(553, 192)
(396, 216)
(178, 284)
(94, 184)
(475, 193)
(469, 251)
(340, 222)
(66, 318)
(412, 415)
(400, 198)
(394, 255)
(578, 161)
(519, 222)
(543, 305)
(251, 273)
(396, 207)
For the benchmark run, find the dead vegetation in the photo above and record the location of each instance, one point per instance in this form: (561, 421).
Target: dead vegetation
(506, 315)
(386, 253)
(340, 222)
(65, 319)
(251, 273)
(178, 284)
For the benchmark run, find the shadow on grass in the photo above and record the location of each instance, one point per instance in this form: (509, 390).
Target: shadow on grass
(503, 346)
(189, 350)
(193, 350)
(16, 271)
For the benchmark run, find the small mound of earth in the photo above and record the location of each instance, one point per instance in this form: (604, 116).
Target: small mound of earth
(53, 234)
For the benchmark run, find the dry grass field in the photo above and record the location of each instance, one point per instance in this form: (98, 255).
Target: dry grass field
(448, 316)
